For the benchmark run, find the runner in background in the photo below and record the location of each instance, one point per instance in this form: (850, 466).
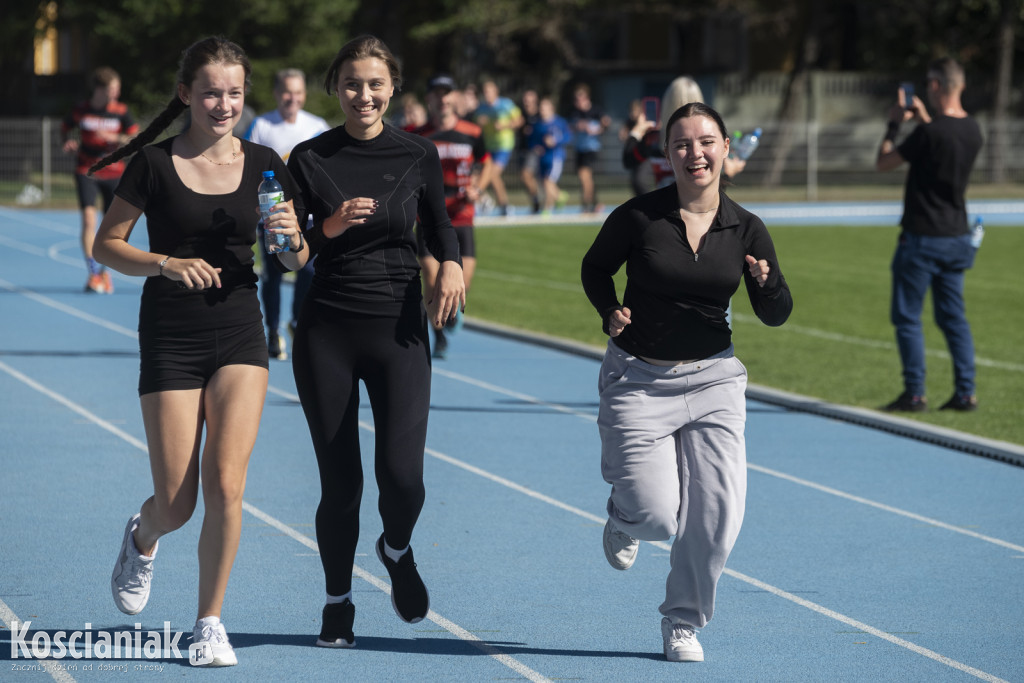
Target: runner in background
(461, 148)
(103, 124)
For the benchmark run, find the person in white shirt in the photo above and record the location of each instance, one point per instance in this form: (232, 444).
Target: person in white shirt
(282, 129)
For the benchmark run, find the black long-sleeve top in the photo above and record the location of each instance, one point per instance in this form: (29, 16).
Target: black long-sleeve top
(373, 267)
(678, 299)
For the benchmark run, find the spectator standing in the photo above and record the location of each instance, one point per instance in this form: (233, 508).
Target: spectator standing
(934, 248)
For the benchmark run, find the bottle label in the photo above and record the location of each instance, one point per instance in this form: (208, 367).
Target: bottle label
(267, 200)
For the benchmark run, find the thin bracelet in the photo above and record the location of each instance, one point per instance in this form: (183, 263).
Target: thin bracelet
(162, 264)
(302, 243)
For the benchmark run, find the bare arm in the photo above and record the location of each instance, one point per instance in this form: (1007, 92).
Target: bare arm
(112, 249)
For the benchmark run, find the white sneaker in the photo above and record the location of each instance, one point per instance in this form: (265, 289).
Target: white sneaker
(214, 648)
(680, 641)
(129, 583)
(620, 548)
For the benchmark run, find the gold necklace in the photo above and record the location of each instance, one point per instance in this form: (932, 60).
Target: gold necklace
(234, 155)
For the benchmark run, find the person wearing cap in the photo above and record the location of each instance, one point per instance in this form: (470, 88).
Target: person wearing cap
(460, 145)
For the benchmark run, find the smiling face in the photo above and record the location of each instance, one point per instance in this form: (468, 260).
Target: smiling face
(291, 97)
(216, 97)
(364, 90)
(696, 149)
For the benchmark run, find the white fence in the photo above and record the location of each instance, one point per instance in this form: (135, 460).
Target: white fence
(35, 171)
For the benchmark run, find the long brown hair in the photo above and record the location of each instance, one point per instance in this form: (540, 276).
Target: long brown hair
(212, 50)
(363, 47)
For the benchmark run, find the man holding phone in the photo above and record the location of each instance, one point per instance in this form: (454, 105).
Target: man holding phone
(934, 248)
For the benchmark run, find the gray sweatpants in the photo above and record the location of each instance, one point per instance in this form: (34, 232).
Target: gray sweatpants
(672, 447)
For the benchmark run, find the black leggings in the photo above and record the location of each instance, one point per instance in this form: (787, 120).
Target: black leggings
(333, 351)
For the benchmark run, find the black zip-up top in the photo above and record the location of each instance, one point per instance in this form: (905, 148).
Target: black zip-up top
(678, 298)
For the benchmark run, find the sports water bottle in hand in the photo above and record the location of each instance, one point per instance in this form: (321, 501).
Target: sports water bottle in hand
(270, 194)
(977, 232)
(745, 146)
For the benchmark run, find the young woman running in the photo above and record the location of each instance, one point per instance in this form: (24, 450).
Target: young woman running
(672, 407)
(365, 183)
(203, 351)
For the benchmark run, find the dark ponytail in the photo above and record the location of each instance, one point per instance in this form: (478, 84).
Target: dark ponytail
(212, 50)
(159, 124)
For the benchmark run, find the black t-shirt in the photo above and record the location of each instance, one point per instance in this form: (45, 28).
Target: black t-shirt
(373, 268)
(678, 299)
(941, 156)
(220, 229)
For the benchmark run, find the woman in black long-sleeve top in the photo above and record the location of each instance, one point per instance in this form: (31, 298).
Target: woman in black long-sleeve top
(365, 183)
(672, 410)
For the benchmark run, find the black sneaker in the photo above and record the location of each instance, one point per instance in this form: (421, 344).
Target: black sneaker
(275, 346)
(440, 345)
(908, 403)
(336, 630)
(961, 403)
(408, 594)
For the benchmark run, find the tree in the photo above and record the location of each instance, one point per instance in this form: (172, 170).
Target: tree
(143, 40)
(18, 32)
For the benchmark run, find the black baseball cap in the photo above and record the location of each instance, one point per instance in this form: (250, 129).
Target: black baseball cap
(442, 81)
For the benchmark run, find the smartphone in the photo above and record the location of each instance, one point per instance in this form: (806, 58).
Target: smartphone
(651, 106)
(908, 95)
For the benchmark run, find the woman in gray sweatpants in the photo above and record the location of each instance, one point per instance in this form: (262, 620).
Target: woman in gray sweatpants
(673, 412)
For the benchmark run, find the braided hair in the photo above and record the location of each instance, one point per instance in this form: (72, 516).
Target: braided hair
(212, 50)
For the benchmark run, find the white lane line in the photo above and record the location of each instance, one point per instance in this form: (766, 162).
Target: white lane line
(513, 394)
(775, 591)
(441, 621)
(758, 468)
(31, 217)
(778, 592)
(448, 625)
(887, 508)
(53, 667)
(70, 310)
(73, 407)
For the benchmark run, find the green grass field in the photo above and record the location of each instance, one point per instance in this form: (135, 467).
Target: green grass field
(837, 346)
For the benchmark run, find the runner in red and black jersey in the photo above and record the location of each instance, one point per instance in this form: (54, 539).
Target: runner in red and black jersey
(467, 168)
(103, 124)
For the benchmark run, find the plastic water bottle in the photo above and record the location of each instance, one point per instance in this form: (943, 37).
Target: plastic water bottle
(270, 194)
(744, 146)
(977, 233)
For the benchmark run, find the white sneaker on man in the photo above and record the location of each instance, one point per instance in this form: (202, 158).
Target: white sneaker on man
(133, 571)
(680, 641)
(619, 548)
(214, 647)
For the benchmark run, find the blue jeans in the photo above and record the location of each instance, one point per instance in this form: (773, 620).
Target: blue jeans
(920, 262)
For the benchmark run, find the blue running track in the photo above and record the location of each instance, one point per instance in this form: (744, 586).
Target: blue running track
(865, 555)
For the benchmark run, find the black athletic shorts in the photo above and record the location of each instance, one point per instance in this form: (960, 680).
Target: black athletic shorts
(188, 360)
(586, 159)
(464, 233)
(88, 187)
